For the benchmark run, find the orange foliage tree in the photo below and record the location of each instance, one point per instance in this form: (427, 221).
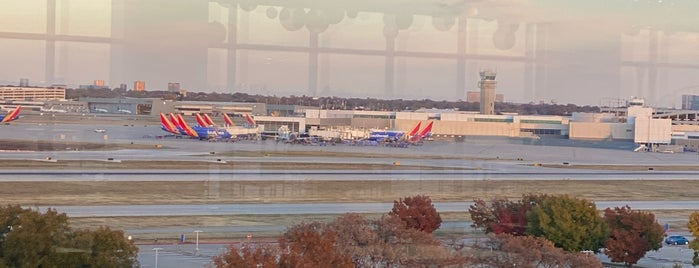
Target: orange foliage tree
(632, 234)
(417, 212)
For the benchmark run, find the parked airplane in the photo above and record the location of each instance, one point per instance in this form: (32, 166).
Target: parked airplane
(12, 115)
(100, 110)
(168, 125)
(124, 111)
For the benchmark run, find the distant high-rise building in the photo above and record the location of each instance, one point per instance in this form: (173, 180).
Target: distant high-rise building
(139, 86)
(98, 83)
(123, 87)
(23, 82)
(690, 102)
(475, 96)
(487, 85)
(173, 87)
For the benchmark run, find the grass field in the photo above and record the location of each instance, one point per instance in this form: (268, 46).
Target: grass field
(236, 192)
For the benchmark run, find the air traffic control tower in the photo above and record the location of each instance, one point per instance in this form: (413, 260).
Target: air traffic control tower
(487, 85)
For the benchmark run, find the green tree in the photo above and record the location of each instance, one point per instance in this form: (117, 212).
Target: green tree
(693, 225)
(417, 212)
(632, 234)
(570, 223)
(36, 239)
(104, 247)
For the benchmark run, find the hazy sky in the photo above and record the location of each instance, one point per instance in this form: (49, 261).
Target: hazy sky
(563, 51)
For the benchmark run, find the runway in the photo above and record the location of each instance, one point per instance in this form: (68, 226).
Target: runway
(310, 208)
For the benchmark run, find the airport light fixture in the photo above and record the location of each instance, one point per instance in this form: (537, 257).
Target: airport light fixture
(156, 256)
(197, 241)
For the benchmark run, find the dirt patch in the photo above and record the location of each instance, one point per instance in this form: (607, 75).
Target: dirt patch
(235, 192)
(23, 145)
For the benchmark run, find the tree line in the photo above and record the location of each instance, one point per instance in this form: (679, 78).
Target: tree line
(337, 103)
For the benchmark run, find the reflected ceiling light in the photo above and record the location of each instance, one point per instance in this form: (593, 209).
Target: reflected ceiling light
(316, 21)
(272, 12)
(292, 19)
(443, 23)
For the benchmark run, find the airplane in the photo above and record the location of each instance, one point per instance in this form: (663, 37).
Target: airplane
(12, 115)
(168, 125)
(124, 111)
(100, 110)
(393, 135)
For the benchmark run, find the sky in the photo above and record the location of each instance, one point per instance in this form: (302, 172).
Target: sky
(594, 52)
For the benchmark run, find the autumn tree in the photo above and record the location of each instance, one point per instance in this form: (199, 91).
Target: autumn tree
(417, 212)
(693, 225)
(632, 234)
(248, 256)
(500, 216)
(312, 245)
(505, 250)
(570, 223)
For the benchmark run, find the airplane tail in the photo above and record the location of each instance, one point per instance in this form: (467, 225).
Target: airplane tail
(200, 120)
(167, 125)
(13, 115)
(425, 133)
(208, 120)
(413, 132)
(190, 131)
(250, 120)
(228, 120)
(175, 121)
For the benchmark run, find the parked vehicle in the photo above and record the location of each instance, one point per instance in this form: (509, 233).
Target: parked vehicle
(676, 240)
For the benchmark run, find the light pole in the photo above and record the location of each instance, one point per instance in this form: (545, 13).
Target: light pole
(156, 256)
(196, 252)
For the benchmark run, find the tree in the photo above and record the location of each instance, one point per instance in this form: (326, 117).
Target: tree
(505, 250)
(693, 225)
(104, 247)
(570, 223)
(311, 245)
(36, 239)
(248, 256)
(501, 216)
(417, 212)
(632, 234)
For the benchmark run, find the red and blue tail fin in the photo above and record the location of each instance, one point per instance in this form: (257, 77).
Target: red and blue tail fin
(200, 120)
(425, 133)
(167, 125)
(208, 120)
(11, 116)
(250, 120)
(228, 120)
(190, 131)
(413, 132)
